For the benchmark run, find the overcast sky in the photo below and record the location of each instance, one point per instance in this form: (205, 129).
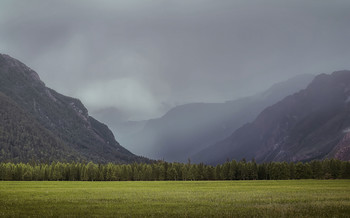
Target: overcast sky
(145, 56)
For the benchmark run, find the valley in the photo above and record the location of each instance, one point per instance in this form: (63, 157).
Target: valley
(181, 108)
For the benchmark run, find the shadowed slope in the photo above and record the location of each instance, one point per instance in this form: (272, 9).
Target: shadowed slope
(64, 117)
(311, 124)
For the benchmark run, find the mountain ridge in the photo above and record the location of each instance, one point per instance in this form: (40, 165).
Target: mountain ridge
(65, 117)
(187, 129)
(304, 126)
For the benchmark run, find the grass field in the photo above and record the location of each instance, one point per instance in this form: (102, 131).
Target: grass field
(302, 198)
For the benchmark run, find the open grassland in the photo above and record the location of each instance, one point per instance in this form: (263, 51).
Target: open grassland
(294, 198)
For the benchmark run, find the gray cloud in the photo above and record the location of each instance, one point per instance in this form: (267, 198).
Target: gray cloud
(144, 56)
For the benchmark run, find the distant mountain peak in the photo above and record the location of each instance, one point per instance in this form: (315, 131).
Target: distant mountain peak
(307, 125)
(187, 129)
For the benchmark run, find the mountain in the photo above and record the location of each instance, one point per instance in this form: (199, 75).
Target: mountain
(23, 138)
(188, 129)
(311, 124)
(127, 130)
(118, 122)
(40, 124)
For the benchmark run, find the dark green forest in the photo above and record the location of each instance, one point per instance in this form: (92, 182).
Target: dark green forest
(23, 138)
(159, 171)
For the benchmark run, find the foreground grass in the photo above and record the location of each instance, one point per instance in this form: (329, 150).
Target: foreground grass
(303, 198)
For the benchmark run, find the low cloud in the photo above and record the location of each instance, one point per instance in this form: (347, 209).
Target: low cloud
(125, 94)
(173, 52)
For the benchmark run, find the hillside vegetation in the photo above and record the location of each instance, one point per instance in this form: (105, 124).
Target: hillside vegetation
(23, 138)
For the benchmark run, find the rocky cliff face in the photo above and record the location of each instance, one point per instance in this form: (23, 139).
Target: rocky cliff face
(64, 117)
(311, 124)
(342, 149)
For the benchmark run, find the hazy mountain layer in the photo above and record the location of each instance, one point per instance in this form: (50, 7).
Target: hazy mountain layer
(311, 124)
(189, 128)
(59, 125)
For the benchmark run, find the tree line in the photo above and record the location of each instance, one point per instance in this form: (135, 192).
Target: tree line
(161, 170)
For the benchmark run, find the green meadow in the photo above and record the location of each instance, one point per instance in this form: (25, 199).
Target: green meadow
(283, 198)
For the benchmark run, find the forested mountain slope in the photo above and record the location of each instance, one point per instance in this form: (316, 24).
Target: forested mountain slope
(64, 120)
(23, 138)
